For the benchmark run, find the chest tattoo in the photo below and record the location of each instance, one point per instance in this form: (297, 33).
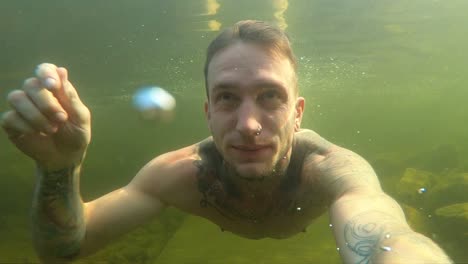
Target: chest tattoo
(219, 193)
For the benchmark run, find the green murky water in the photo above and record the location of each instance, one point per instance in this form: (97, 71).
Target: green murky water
(387, 79)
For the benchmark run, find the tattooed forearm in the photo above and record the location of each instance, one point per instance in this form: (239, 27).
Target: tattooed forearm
(362, 239)
(365, 234)
(377, 237)
(57, 213)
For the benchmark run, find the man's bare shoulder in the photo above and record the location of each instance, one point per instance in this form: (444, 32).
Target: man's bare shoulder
(334, 169)
(172, 176)
(313, 142)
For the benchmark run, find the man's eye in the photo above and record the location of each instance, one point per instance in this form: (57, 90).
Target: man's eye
(270, 97)
(226, 97)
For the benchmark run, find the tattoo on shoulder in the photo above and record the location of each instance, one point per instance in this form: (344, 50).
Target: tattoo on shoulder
(214, 192)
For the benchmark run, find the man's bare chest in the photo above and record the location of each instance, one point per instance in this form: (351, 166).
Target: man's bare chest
(260, 215)
(283, 205)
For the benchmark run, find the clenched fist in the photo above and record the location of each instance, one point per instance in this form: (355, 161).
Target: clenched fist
(47, 121)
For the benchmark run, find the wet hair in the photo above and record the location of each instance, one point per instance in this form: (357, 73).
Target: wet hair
(266, 35)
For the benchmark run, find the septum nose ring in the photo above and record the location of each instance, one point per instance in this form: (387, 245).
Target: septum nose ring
(259, 130)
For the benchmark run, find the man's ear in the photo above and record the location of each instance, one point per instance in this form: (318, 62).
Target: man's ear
(300, 105)
(207, 110)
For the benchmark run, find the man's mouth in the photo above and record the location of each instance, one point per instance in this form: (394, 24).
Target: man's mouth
(251, 151)
(249, 147)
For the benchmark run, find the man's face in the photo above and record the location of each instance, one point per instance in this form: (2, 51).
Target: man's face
(252, 109)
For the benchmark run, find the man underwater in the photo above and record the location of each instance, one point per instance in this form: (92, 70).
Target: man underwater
(258, 175)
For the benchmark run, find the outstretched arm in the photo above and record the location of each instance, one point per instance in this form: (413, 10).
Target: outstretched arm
(369, 226)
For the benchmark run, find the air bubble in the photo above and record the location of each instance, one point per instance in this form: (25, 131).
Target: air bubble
(386, 248)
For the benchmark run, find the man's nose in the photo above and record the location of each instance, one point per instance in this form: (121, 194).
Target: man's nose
(248, 119)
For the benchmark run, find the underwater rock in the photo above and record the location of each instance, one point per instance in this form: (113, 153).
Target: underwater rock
(458, 210)
(452, 221)
(411, 184)
(449, 189)
(416, 219)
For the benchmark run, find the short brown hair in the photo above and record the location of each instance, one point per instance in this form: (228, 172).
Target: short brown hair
(252, 31)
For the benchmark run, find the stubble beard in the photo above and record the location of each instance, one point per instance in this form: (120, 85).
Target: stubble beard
(269, 172)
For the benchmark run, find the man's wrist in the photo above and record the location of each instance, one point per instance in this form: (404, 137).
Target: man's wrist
(52, 168)
(410, 247)
(58, 223)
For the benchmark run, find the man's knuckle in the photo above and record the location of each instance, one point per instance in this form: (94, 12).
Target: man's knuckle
(46, 64)
(43, 68)
(36, 118)
(48, 109)
(86, 111)
(15, 96)
(29, 82)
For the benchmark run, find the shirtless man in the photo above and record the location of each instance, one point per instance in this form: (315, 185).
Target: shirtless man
(259, 175)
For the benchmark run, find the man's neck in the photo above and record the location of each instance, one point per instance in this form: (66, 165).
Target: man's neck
(266, 185)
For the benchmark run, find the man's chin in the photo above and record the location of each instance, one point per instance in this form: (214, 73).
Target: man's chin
(253, 171)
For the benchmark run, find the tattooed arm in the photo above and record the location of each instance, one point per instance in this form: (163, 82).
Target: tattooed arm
(369, 226)
(49, 123)
(65, 228)
(58, 224)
